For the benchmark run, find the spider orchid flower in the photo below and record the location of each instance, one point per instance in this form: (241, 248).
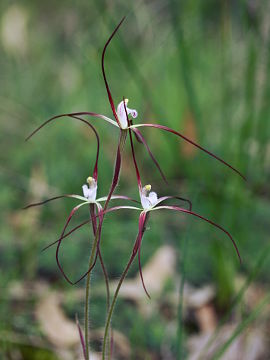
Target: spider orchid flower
(151, 202)
(88, 198)
(123, 123)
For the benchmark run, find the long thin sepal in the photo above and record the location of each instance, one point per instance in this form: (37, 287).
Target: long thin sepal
(142, 140)
(95, 171)
(66, 235)
(176, 208)
(164, 198)
(71, 115)
(165, 128)
(54, 198)
(104, 74)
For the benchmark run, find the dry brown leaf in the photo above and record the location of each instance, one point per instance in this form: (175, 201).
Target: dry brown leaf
(206, 318)
(155, 273)
(59, 330)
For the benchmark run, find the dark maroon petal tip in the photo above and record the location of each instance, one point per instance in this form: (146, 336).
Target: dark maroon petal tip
(104, 74)
(141, 274)
(207, 220)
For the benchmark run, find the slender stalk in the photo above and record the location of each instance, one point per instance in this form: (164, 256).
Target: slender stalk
(108, 321)
(87, 293)
(122, 140)
(179, 345)
(122, 278)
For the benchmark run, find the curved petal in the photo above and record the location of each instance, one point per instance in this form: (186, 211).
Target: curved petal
(117, 166)
(66, 235)
(176, 208)
(95, 172)
(71, 115)
(120, 197)
(78, 197)
(88, 221)
(104, 75)
(165, 128)
(160, 200)
(73, 211)
(142, 140)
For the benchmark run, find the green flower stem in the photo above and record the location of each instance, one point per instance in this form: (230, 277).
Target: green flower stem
(122, 278)
(108, 321)
(123, 135)
(87, 292)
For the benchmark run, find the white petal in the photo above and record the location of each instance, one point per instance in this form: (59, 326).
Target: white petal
(85, 191)
(153, 198)
(145, 202)
(121, 113)
(92, 193)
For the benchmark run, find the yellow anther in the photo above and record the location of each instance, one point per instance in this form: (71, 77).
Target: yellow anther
(148, 187)
(90, 180)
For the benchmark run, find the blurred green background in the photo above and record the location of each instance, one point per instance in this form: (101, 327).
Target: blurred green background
(200, 67)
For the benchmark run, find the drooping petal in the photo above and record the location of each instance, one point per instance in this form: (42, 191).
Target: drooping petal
(73, 211)
(95, 172)
(142, 140)
(103, 71)
(117, 167)
(100, 215)
(165, 128)
(176, 208)
(137, 246)
(141, 273)
(73, 116)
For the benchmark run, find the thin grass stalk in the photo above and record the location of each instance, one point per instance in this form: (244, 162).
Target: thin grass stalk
(259, 264)
(242, 326)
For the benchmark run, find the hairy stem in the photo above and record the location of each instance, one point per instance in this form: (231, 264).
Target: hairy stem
(109, 317)
(87, 294)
